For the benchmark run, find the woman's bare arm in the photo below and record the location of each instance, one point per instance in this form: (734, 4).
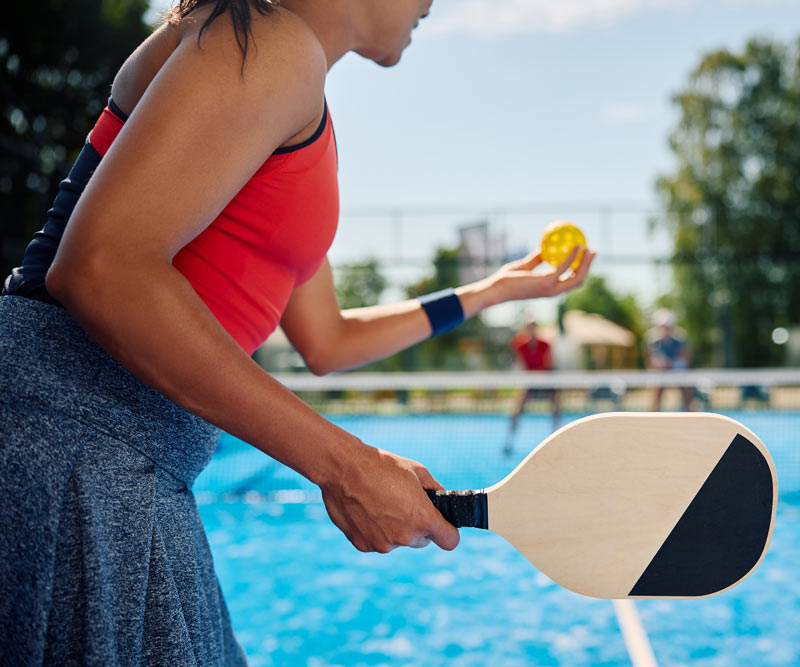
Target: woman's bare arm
(196, 136)
(329, 339)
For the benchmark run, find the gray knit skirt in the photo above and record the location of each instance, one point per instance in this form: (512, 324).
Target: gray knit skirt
(103, 559)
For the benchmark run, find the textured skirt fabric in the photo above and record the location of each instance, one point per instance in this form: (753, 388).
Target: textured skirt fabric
(103, 558)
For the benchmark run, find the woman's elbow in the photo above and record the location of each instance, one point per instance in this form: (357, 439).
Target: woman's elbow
(84, 281)
(320, 359)
(60, 281)
(319, 365)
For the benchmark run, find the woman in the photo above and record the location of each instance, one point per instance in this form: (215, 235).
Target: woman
(126, 334)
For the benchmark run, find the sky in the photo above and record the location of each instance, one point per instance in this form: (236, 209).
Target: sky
(520, 112)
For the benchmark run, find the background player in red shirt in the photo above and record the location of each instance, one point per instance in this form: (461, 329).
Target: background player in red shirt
(534, 354)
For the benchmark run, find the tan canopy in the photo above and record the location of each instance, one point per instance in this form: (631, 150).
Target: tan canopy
(590, 329)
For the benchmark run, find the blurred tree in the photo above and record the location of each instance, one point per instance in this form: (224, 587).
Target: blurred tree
(597, 297)
(733, 202)
(594, 296)
(359, 285)
(57, 60)
(445, 274)
(448, 351)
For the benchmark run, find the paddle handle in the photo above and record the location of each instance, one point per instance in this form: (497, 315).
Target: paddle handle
(464, 509)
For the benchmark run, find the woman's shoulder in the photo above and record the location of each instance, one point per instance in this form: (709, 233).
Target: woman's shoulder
(278, 38)
(280, 73)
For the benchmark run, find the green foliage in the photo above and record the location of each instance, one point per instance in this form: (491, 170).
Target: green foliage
(57, 60)
(594, 296)
(733, 202)
(359, 285)
(445, 274)
(445, 351)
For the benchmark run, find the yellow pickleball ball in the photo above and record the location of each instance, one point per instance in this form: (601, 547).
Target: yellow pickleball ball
(559, 239)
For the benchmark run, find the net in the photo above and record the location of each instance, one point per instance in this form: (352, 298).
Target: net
(460, 426)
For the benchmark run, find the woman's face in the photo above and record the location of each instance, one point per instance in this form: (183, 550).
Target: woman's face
(389, 27)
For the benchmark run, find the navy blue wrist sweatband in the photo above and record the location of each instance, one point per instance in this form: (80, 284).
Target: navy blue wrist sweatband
(443, 310)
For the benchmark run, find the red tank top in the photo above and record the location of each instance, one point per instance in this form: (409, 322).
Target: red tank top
(271, 237)
(532, 351)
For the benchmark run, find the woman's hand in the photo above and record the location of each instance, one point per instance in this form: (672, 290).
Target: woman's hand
(379, 503)
(517, 280)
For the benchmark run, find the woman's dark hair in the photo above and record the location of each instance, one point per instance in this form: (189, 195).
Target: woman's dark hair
(240, 15)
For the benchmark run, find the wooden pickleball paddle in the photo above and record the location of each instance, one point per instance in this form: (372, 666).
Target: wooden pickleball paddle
(634, 505)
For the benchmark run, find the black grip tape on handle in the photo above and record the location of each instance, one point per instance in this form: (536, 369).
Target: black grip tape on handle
(464, 509)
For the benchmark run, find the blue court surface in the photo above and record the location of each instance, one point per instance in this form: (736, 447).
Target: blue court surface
(299, 594)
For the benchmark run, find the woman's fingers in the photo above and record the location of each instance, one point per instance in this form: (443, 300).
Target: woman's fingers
(382, 505)
(529, 262)
(562, 268)
(578, 275)
(426, 479)
(583, 267)
(443, 533)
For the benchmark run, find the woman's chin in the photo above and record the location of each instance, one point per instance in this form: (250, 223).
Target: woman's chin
(390, 60)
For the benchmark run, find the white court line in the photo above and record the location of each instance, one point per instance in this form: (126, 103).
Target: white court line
(633, 632)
